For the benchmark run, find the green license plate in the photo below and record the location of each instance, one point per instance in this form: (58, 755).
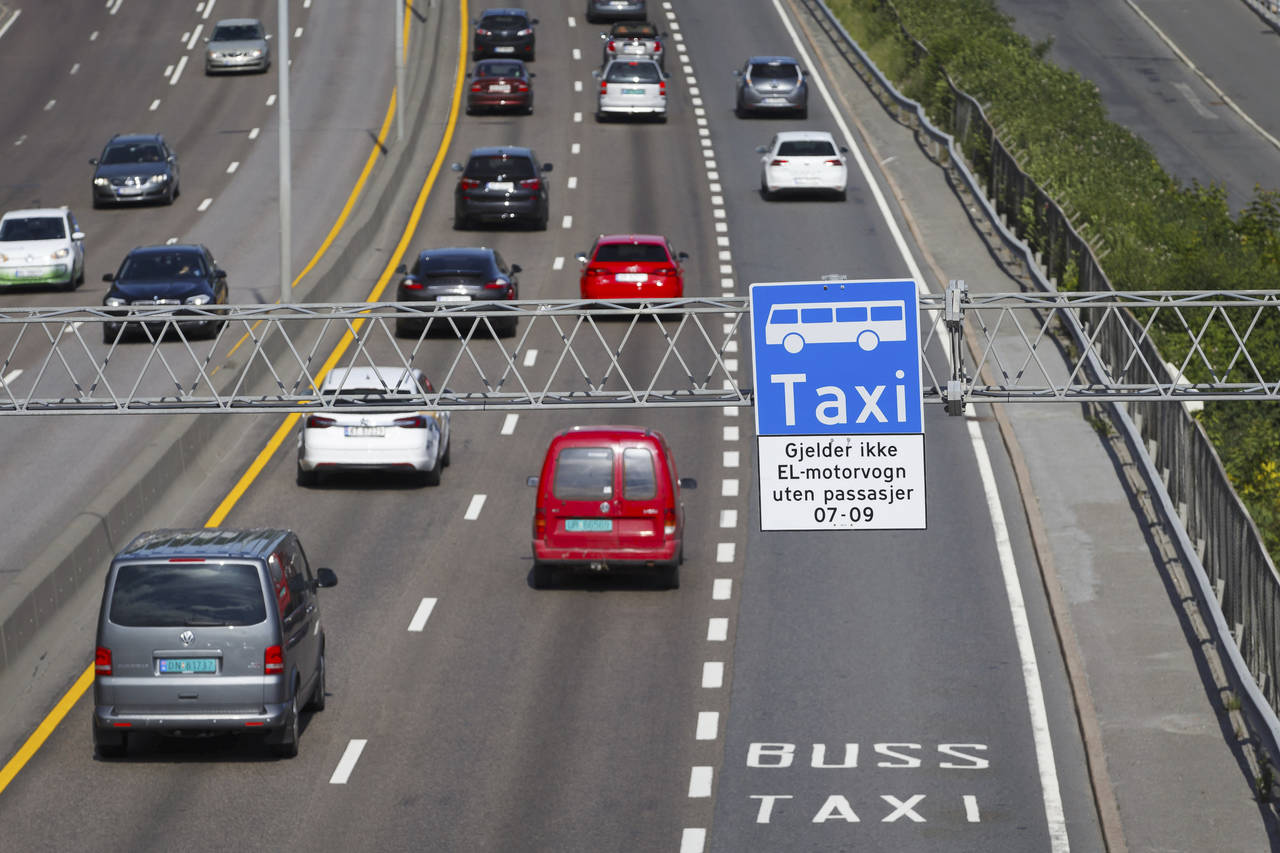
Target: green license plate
(588, 525)
(188, 665)
(633, 91)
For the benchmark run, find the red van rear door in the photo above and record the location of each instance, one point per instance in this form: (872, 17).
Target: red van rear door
(583, 500)
(645, 496)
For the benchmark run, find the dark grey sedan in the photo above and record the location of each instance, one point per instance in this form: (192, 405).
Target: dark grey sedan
(459, 277)
(500, 185)
(135, 167)
(772, 84)
(616, 10)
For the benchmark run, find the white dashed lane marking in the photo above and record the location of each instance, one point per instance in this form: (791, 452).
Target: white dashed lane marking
(473, 508)
(731, 433)
(347, 763)
(708, 725)
(731, 458)
(724, 552)
(177, 72)
(422, 614)
(558, 263)
(728, 518)
(253, 134)
(195, 36)
(8, 380)
(722, 589)
(204, 205)
(693, 840)
(509, 423)
(713, 674)
(567, 222)
(700, 782)
(717, 629)
(271, 100)
(729, 488)
(155, 105)
(577, 54)
(231, 168)
(530, 357)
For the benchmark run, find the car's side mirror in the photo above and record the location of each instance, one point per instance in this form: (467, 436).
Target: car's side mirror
(581, 257)
(515, 268)
(206, 40)
(326, 578)
(604, 37)
(108, 276)
(93, 161)
(595, 74)
(468, 74)
(219, 273)
(402, 269)
(666, 74)
(532, 75)
(546, 167)
(762, 149)
(688, 483)
(682, 256)
(531, 481)
(267, 37)
(534, 22)
(844, 149)
(737, 72)
(457, 167)
(77, 235)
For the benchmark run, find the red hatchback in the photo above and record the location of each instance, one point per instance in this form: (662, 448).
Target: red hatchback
(500, 84)
(632, 266)
(609, 500)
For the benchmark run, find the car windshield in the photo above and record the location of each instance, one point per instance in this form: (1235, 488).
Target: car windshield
(584, 473)
(135, 153)
(633, 72)
(32, 228)
(641, 31)
(631, 253)
(162, 265)
(172, 595)
(448, 264)
(772, 71)
(806, 148)
(500, 69)
(502, 22)
(506, 168)
(236, 32)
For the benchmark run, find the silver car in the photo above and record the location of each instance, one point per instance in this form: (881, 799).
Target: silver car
(237, 44)
(634, 40)
(206, 631)
(616, 10)
(413, 442)
(632, 87)
(772, 84)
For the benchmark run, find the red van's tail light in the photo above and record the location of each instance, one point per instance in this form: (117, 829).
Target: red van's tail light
(669, 524)
(319, 421)
(412, 422)
(273, 661)
(539, 524)
(102, 661)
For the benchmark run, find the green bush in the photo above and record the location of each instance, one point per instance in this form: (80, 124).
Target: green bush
(1159, 234)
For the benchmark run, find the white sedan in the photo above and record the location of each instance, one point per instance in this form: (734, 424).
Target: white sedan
(41, 246)
(803, 161)
(414, 442)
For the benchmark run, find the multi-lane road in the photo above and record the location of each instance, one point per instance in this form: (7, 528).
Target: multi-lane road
(881, 691)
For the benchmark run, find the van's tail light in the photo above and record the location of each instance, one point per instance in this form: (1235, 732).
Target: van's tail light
(669, 524)
(534, 184)
(662, 87)
(469, 183)
(778, 161)
(102, 661)
(412, 422)
(319, 421)
(604, 87)
(539, 526)
(273, 661)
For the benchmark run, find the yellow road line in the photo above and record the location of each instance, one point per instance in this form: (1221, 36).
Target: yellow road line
(72, 696)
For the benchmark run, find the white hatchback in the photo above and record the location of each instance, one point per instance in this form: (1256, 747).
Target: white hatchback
(41, 246)
(632, 87)
(415, 442)
(803, 161)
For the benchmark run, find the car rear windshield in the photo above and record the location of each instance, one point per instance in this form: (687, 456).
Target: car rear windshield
(164, 265)
(806, 148)
(770, 71)
(236, 32)
(446, 264)
(633, 72)
(510, 168)
(171, 595)
(631, 253)
(584, 473)
(503, 22)
(643, 31)
(639, 478)
(118, 154)
(32, 228)
(500, 69)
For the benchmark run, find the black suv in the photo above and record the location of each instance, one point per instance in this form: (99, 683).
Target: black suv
(158, 276)
(504, 32)
(501, 184)
(135, 167)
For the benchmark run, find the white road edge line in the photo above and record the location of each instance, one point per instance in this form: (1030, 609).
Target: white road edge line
(422, 614)
(347, 762)
(9, 23)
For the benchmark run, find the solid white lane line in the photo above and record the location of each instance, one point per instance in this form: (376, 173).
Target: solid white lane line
(420, 616)
(728, 518)
(708, 725)
(16, 13)
(722, 589)
(724, 552)
(204, 205)
(232, 166)
(509, 423)
(530, 357)
(693, 840)
(177, 72)
(729, 487)
(473, 508)
(700, 782)
(713, 674)
(347, 763)
(558, 263)
(195, 36)
(717, 629)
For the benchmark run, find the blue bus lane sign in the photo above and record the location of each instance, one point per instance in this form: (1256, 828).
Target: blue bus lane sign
(839, 405)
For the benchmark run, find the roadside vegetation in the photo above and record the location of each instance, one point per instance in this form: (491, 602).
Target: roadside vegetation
(1155, 233)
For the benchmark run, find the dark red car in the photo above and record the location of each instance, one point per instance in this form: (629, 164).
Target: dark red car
(609, 500)
(632, 266)
(500, 84)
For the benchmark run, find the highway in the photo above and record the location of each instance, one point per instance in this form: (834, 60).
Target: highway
(837, 691)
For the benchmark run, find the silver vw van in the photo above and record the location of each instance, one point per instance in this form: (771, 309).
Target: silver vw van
(209, 630)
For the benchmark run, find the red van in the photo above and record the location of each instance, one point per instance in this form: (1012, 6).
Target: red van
(609, 500)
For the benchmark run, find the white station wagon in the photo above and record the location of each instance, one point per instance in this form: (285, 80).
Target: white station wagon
(636, 87)
(803, 161)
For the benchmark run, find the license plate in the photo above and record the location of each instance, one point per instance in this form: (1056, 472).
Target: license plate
(632, 276)
(500, 186)
(188, 665)
(25, 273)
(453, 297)
(588, 525)
(633, 91)
(775, 100)
(505, 48)
(129, 190)
(502, 88)
(808, 181)
(364, 431)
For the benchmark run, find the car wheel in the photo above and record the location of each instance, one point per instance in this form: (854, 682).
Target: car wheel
(171, 195)
(508, 329)
(307, 479)
(461, 223)
(431, 477)
(543, 576)
(841, 195)
(447, 459)
(804, 112)
(110, 333)
(670, 577)
(288, 745)
(110, 745)
(407, 329)
(764, 191)
(317, 700)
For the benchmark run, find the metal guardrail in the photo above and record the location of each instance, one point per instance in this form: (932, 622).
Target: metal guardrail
(1237, 581)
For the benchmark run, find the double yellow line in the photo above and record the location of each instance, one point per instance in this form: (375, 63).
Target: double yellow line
(72, 696)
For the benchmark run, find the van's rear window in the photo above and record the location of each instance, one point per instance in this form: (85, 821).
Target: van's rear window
(584, 473)
(639, 480)
(170, 595)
